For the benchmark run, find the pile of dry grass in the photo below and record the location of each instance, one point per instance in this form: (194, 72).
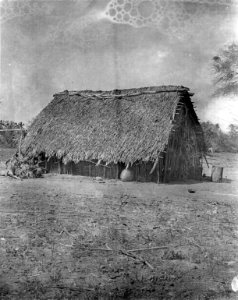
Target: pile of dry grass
(20, 167)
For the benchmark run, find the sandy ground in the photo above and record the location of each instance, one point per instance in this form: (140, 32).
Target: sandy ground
(73, 237)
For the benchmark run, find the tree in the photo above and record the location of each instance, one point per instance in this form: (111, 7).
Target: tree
(219, 140)
(225, 66)
(10, 137)
(233, 132)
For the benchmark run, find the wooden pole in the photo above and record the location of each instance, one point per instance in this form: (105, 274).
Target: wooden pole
(59, 166)
(166, 171)
(206, 160)
(19, 150)
(11, 129)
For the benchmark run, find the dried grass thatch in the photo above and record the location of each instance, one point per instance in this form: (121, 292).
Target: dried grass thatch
(120, 125)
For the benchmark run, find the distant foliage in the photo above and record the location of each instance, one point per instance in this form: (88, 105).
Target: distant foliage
(225, 66)
(10, 138)
(218, 140)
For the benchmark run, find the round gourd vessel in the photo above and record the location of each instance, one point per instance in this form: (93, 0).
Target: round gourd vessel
(127, 175)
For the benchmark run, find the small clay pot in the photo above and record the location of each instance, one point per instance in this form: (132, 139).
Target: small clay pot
(127, 175)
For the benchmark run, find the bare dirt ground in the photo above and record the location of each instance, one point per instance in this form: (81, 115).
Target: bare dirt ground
(73, 237)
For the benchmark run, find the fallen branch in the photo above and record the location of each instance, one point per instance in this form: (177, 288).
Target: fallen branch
(70, 288)
(148, 249)
(136, 257)
(124, 252)
(194, 243)
(108, 248)
(133, 250)
(70, 246)
(188, 228)
(66, 231)
(102, 249)
(8, 174)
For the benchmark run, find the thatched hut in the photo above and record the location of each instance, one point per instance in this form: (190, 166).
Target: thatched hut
(154, 131)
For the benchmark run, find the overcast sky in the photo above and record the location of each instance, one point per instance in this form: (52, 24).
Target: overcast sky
(50, 46)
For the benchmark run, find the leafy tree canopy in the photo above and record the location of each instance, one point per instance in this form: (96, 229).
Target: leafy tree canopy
(225, 66)
(219, 140)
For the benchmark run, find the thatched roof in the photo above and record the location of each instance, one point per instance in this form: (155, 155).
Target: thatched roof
(120, 125)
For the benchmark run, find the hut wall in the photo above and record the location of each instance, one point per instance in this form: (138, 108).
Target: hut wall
(112, 171)
(142, 172)
(53, 165)
(83, 168)
(183, 154)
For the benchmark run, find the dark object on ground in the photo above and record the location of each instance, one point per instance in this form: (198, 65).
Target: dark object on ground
(191, 191)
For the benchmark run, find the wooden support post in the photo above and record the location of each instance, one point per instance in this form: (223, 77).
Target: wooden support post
(145, 165)
(19, 150)
(166, 171)
(206, 160)
(59, 166)
(46, 165)
(217, 173)
(104, 172)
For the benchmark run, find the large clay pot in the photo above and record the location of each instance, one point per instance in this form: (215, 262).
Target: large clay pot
(127, 175)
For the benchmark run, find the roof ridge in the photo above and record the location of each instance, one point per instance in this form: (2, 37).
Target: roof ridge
(128, 92)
